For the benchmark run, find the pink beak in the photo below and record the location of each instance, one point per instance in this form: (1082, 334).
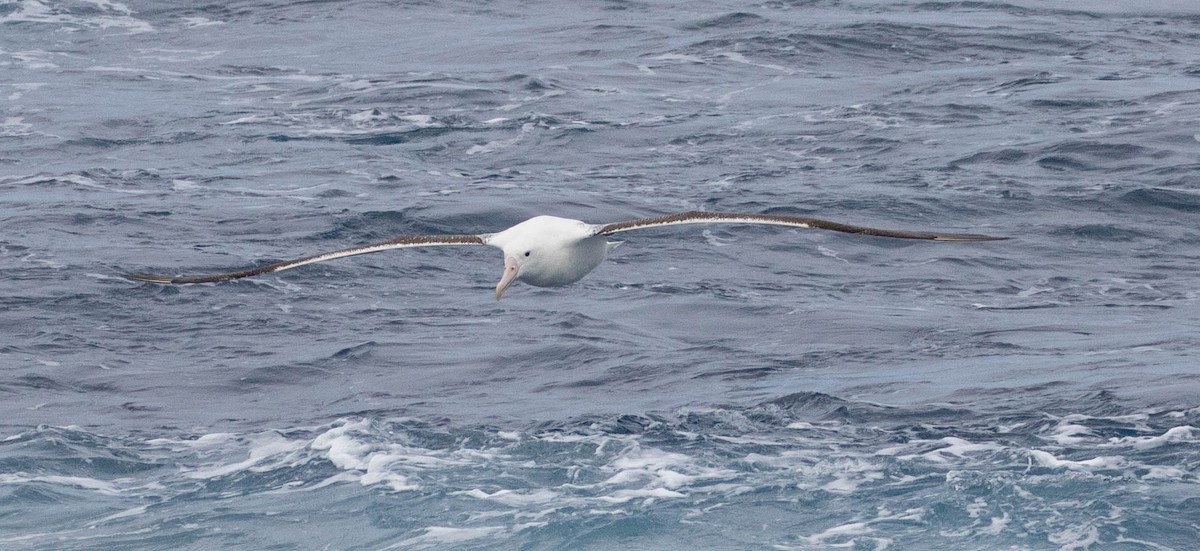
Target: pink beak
(510, 275)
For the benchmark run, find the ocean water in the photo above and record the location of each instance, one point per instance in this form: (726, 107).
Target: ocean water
(714, 387)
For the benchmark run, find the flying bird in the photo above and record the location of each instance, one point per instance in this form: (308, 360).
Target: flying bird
(548, 251)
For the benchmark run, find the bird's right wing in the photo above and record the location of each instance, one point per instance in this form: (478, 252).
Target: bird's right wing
(404, 242)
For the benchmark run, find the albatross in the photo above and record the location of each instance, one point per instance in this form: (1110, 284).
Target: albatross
(548, 251)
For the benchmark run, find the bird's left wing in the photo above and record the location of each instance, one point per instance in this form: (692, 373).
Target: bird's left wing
(405, 242)
(701, 217)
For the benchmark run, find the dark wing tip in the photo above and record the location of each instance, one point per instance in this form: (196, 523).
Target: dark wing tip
(148, 278)
(183, 280)
(968, 237)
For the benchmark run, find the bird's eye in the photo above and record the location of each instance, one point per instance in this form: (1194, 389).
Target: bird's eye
(527, 253)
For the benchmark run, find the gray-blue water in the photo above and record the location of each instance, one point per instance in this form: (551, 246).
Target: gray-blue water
(713, 387)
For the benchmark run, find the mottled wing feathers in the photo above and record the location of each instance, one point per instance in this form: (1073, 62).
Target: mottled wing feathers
(700, 217)
(398, 243)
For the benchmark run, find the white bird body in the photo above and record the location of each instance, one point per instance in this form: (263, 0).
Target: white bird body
(548, 251)
(551, 251)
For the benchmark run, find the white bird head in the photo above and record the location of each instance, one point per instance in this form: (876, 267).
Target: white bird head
(548, 251)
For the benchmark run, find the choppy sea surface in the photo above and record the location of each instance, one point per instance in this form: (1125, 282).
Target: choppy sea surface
(713, 387)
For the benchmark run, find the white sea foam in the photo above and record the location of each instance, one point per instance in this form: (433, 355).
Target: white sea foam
(658, 469)
(439, 536)
(140, 510)
(378, 471)
(715, 241)
(1166, 473)
(496, 145)
(91, 183)
(102, 486)
(1070, 434)
(739, 58)
(343, 451)
(15, 126)
(951, 448)
(850, 481)
(267, 451)
(622, 496)
(1173, 435)
(21, 88)
(34, 59)
(1046, 459)
(679, 58)
(199, 22)
(958, 448)
(838, 475)
(383, 463)
(840, 531)
(203, 441)
(250, 119)
(112, 15)
(997, 525)
(1079, 537)
(513, 498)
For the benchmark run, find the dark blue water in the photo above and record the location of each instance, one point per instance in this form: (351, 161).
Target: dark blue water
(708, 387)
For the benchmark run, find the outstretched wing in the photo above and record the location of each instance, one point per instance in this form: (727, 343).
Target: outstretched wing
(398, 243)
(700, 217)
